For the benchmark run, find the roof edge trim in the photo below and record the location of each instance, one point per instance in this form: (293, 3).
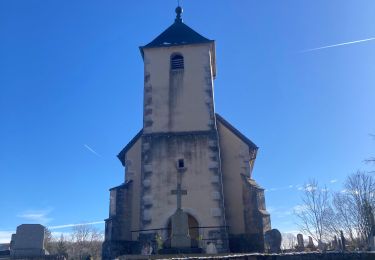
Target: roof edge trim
(121, 155)
(236, 132)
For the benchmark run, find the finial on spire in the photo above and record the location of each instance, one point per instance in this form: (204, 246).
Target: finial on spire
(179, 11)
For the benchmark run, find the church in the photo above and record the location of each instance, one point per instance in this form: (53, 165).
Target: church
(187, 166)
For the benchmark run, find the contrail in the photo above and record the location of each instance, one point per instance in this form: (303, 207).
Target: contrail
(339, 44)
(91, 150)
(75, 225)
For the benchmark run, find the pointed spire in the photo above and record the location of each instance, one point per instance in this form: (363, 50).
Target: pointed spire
(179, 11)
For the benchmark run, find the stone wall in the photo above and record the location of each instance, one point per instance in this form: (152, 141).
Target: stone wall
(46, 257)
(296, 256)
(301, 256)
(257, 219)
(201, 177)
(118, 225)
(181, 101)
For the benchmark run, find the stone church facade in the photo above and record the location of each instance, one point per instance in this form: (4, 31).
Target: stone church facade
(182, 135)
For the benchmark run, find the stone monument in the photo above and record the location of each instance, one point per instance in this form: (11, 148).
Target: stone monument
(372, 240)
(311, 245)
(180, 241)
(273, 240)
(322, 246)
(343, 248)
(335, 244)
(180, 226)
(13, 238)
(180, 230)
(300, 243)
(28, 241)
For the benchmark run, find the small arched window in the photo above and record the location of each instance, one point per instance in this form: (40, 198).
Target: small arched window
(177, 62)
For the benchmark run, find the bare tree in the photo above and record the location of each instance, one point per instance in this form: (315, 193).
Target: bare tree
(48, 240)
(360, 196)
(85, 241)
(344, 216)
(315, 211)
(289, 241)
(62, 246)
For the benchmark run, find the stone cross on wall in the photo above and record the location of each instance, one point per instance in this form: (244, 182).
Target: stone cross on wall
(180, 225)
(179, 192)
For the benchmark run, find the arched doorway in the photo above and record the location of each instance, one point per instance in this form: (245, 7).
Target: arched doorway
(193, 227)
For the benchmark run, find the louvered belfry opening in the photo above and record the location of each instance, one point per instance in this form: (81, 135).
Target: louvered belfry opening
(177, 62)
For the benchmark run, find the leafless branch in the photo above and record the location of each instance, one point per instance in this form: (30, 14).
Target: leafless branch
(315, 215)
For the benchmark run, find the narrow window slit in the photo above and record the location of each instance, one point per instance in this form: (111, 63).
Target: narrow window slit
(181, 163)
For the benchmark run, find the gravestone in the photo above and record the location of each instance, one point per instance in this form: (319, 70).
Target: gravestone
(311, 245)
(322, 246)
(28, 241)
(342, 241)
(300, 245)
(13, 238)
(211, 248)
(372, 241)
(272, 239)
(146, 249)
(335, 244)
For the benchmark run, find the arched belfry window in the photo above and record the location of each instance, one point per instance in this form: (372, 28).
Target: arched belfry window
(177, 62)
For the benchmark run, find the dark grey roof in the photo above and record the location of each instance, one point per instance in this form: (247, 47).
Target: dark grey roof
(124, 185)
(121, 155)
(236, 132)
(177, 34)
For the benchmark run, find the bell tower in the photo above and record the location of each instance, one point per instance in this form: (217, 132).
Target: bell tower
(179, 68)
(180, 138)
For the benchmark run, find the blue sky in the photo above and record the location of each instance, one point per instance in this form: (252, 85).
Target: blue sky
(71, 79)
